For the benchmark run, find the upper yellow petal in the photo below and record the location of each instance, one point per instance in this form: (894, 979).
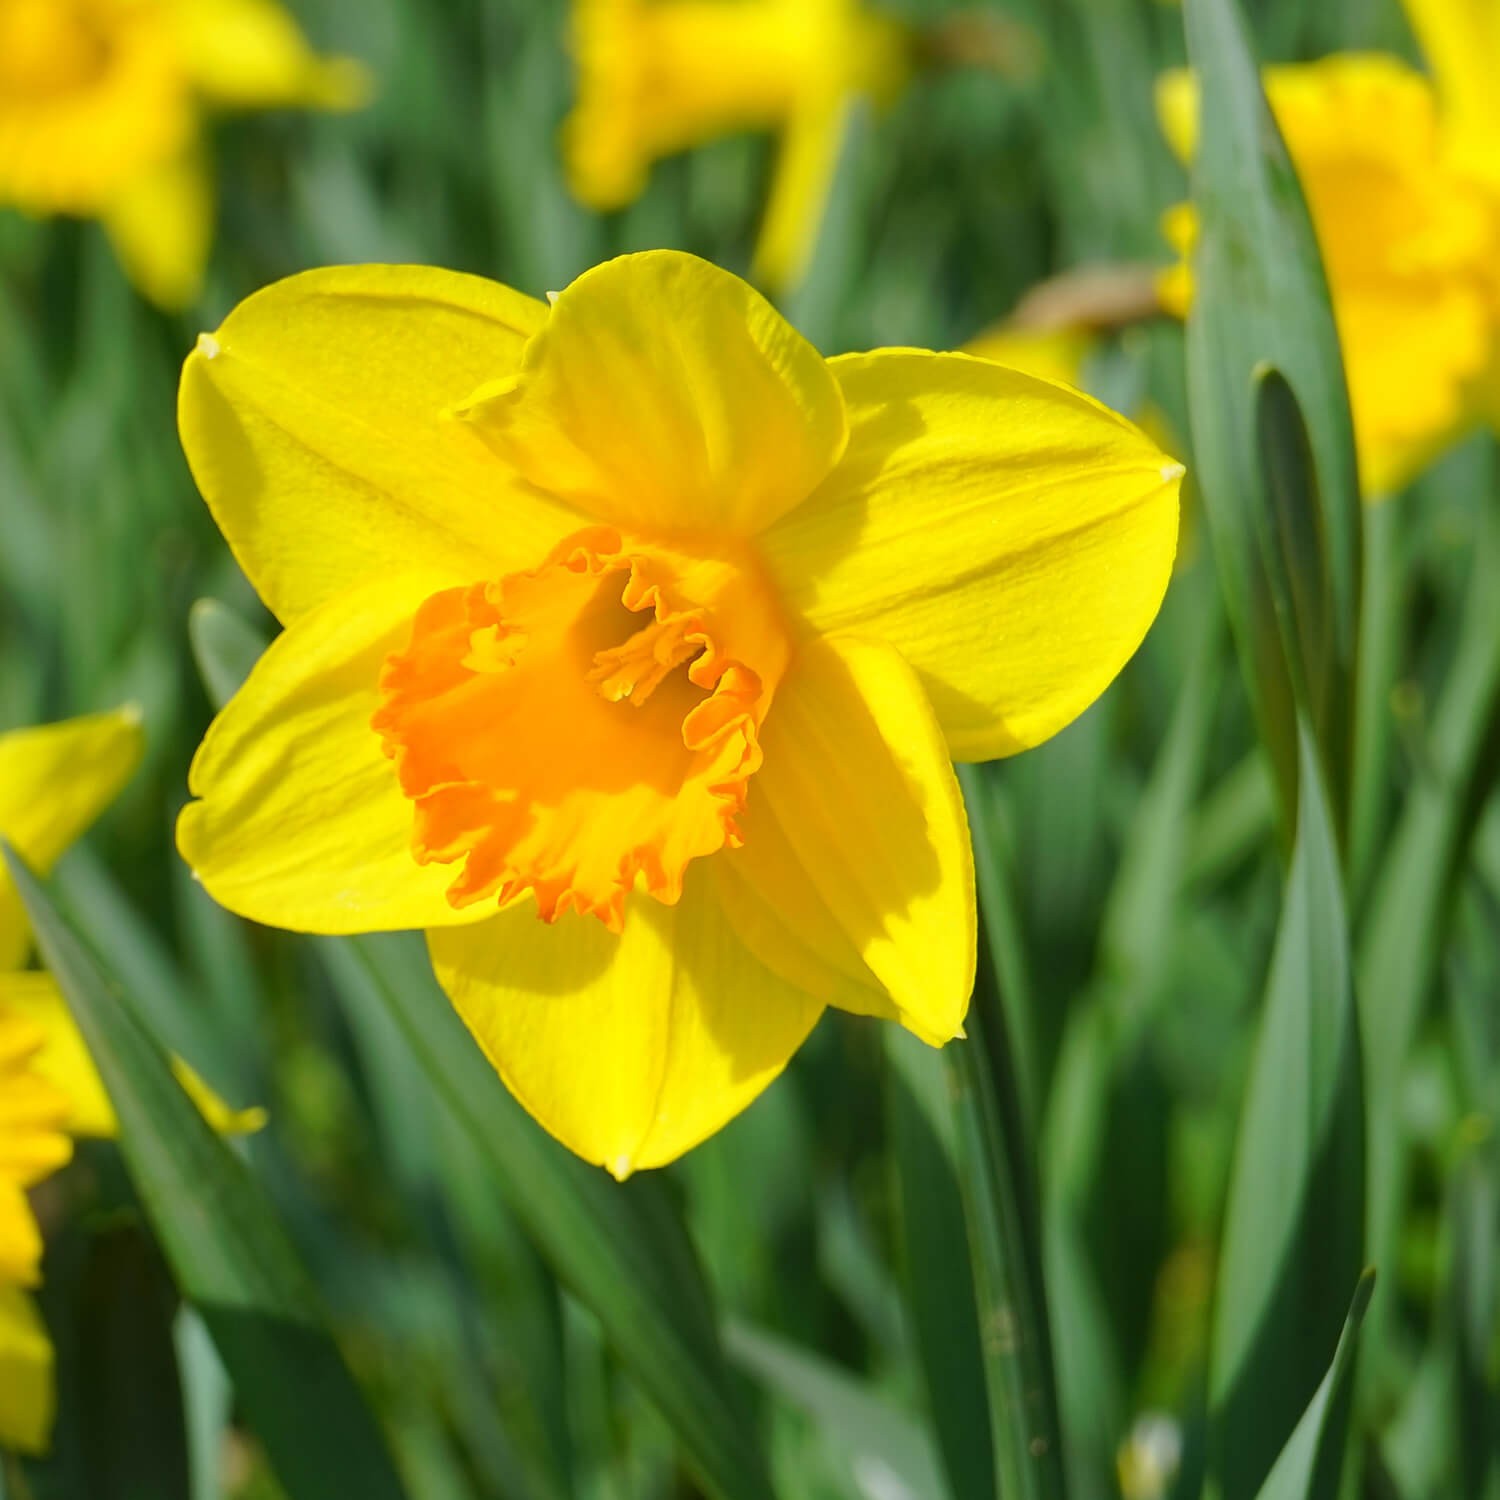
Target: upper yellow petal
(250, 53)
(54, 781)
(1010, 537)
(666, 393)
(161, 225)
(300, 821)
(856, 838)
(629, 1049)
(62, 1061)
(27, 1391)
(317, 422)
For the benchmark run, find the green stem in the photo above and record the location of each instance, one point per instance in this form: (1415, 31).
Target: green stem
(1004, 1216)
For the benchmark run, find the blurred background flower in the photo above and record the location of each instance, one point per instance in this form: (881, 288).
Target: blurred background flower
(103, 106)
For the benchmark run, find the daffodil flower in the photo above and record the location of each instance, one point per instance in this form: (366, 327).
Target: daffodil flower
(1409, 238)
(102, 104)
(54, 781)
(635, 615)
(1056, 354)
(656, 77)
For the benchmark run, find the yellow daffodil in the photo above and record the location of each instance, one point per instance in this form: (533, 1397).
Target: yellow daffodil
(658, 76)
(53, 782)
(635, 615)
(1409, 238)
(101, 115)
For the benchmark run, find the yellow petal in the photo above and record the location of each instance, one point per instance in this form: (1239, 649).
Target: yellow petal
(54, 781)
(855, 834)
(1048, 353)
(20, 1238)
(27, 1391)
(301, 822)
(1461, 41)
(90, 98)
(161, 225)
(1011, 538)
(666, 393)
(629, 1049)
(317, 424)
(248, 53)
(806, 162)
(64, 1064)
(1177, 112)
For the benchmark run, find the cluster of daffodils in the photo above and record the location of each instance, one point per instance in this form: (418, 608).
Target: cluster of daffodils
(102, 109)
(628, 643)
(1399, 170)
(54, 781)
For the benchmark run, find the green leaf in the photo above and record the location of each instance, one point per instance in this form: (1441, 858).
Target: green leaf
(228, 1252)
(939, 1281)
(1282, 497)
(890, 1455)
(225, 647)
(1294, 1221)
(129, 1394)
(1405, 926)
(997, 1177)
(1309, 1467)
(621, 1249)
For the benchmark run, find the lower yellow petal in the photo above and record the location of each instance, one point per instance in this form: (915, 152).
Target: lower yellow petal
(856, 837)
(28, 1394)
(1011, 538)
(629, 1049)
(161, 225)
(1048, 353)
(54, 781)
(64, 1063)
(300, 821)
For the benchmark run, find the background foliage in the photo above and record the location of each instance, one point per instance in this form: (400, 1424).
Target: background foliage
(1167, 1009)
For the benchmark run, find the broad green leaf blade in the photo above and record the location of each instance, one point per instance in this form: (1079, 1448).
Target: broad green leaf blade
(620, 1249)
(129, 1393)
(227, 1249)
(1405, 925)
(1312, 1461)
(1263, 355)
(939, 1281)
(225, 647)
(1294, 1223)
(891, 1456)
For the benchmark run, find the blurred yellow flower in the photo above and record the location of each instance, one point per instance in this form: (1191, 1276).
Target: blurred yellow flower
(1410, 240)
(635, 607)
(101, 115)
(1048, 353)
(658, 76)
(54, 781)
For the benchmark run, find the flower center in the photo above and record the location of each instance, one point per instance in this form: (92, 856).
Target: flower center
(48, 47)
(554, 741)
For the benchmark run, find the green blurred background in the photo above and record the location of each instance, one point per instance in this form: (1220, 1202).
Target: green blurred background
(1135, 854)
